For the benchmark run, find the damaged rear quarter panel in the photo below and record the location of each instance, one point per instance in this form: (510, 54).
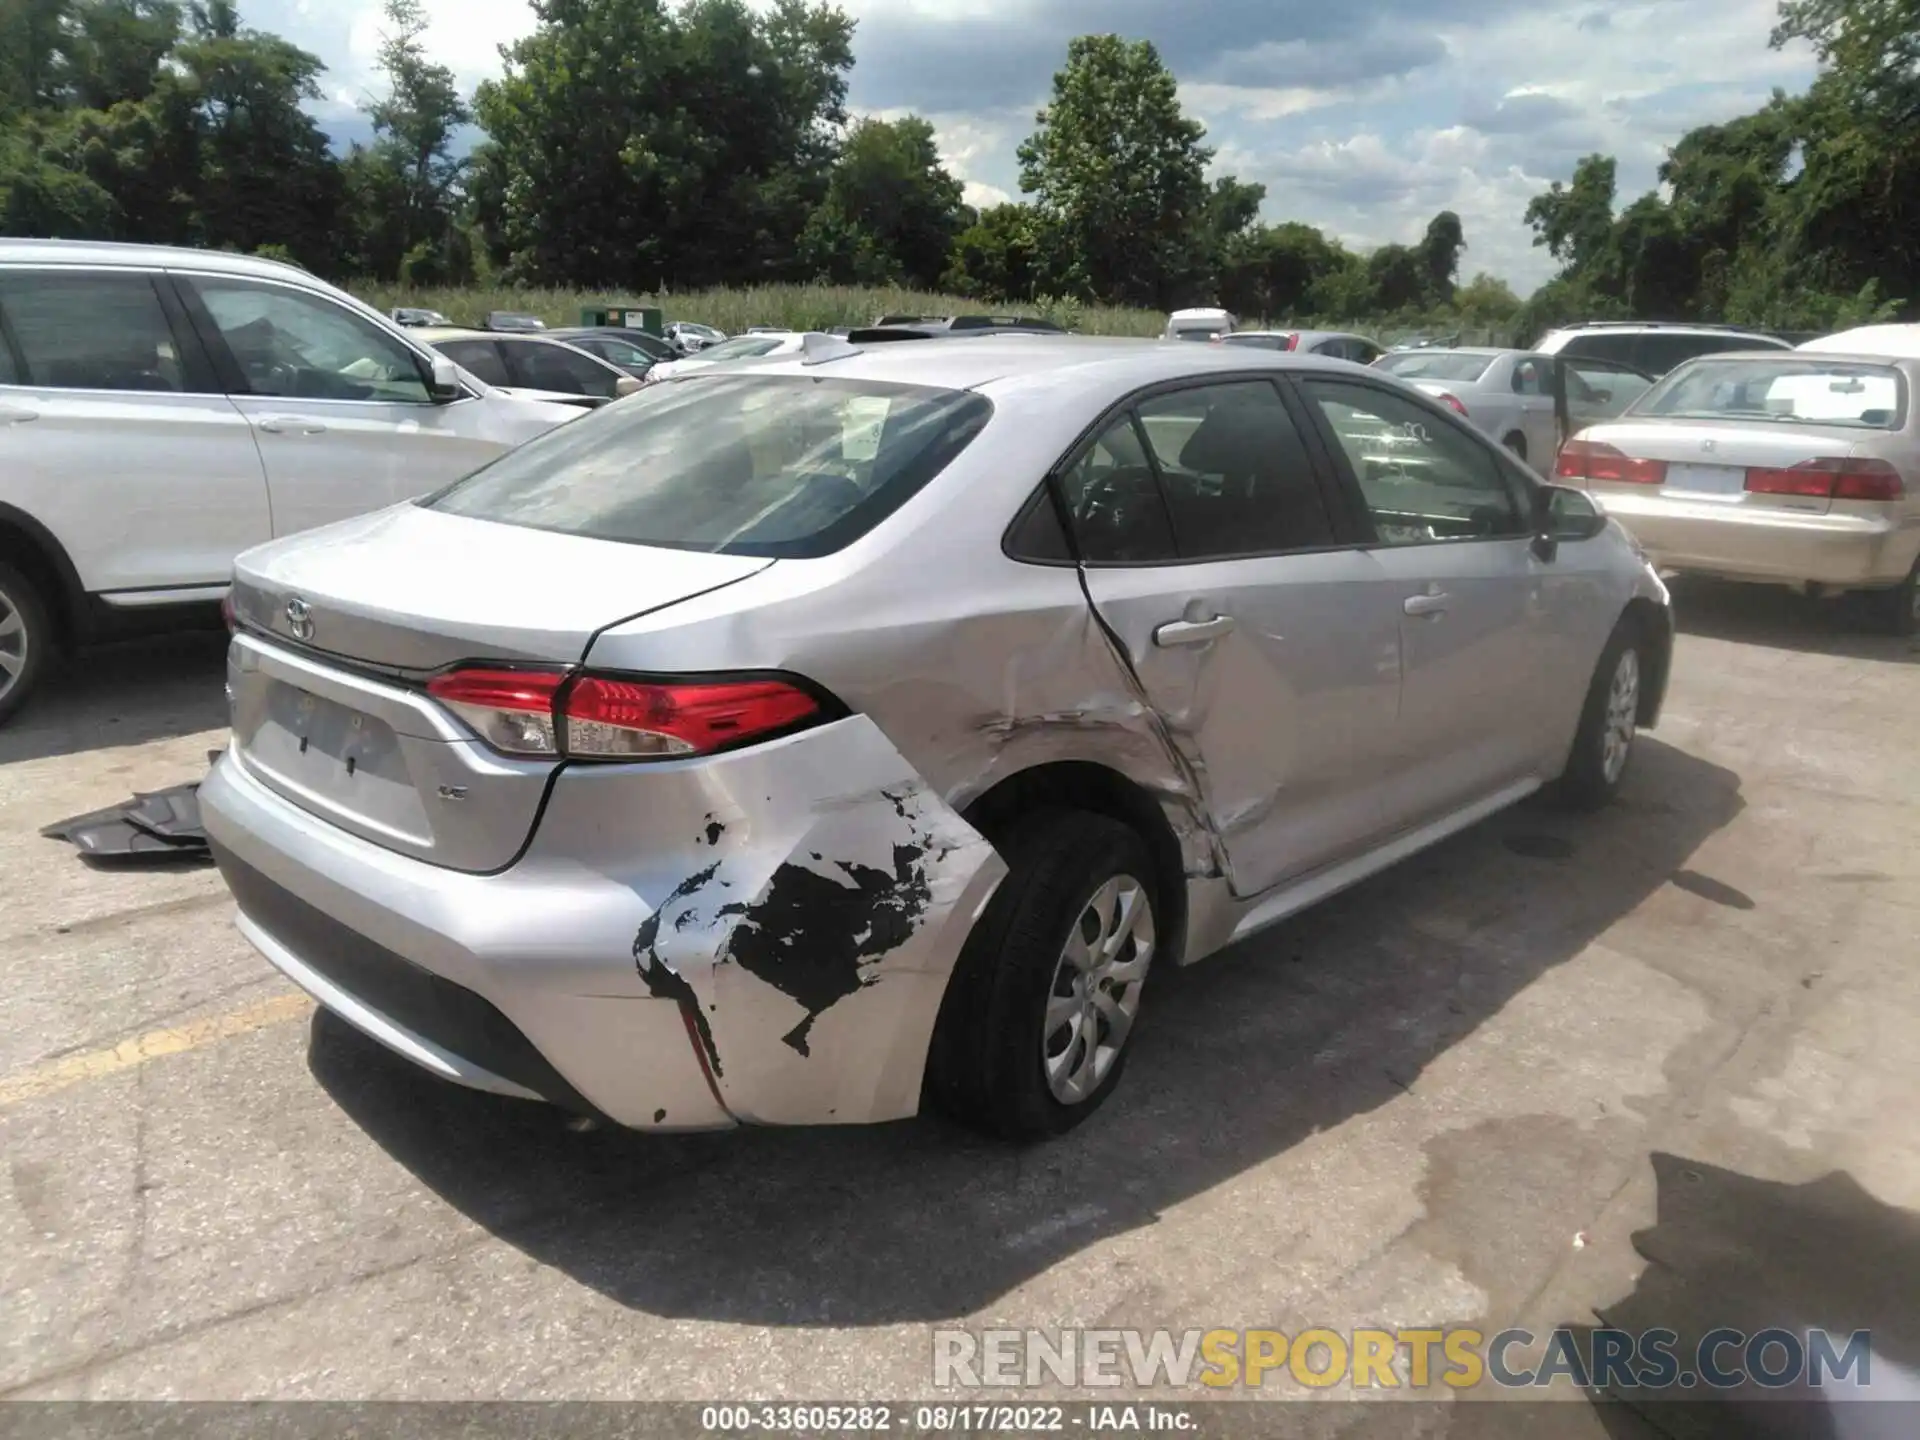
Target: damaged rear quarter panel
(827, 892)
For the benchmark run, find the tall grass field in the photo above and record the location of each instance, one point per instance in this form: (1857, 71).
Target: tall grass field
(791, 307)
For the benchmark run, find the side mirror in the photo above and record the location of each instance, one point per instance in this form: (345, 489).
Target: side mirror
(1564, 516)
(443, 384)
(628, 385)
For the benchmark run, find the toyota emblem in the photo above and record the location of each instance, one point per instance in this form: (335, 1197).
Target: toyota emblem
(1709, 445)
(300, 619)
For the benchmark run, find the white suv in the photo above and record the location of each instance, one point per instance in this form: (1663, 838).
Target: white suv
(1651, 346)
(163, 410)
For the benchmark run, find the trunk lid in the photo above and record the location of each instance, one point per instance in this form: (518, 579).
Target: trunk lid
(1708, 461)
(343, 625)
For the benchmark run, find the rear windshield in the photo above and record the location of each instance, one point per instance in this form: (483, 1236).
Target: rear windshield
(1435, 365)
(745, 348)
(1795, 388)
(783, 466)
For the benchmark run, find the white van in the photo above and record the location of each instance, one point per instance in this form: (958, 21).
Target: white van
(162, 410)
(1200, 325)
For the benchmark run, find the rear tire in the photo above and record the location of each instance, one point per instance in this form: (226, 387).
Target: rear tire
(26, 639)
(1034, 1032)
(1898, 609)
(1609, 723)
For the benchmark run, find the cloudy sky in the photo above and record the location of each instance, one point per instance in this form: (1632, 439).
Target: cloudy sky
(1363, 118)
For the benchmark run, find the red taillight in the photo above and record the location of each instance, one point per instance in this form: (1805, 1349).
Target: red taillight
(1594, 460)
(1830, 479)
(512, 710)
(1453, 403)
(1293, 342)
(228, 614)
(631, 719)
(606, 717)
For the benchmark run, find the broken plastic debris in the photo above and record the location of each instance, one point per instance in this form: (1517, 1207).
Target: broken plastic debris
(154, 827)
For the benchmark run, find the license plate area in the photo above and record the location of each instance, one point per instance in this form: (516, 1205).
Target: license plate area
(1719, 481)
(334, 759)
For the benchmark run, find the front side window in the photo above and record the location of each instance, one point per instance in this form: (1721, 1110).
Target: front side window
(555, 368)
(1423, 479)
(102, 330)
(305, 347)
(781, 466)
(1235, 472)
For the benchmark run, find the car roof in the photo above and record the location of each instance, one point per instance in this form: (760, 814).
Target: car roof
(1096, 362)
(1898, 340)
(433, 333)
(110, 253)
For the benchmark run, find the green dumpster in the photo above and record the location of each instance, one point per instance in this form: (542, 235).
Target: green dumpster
(625, 317)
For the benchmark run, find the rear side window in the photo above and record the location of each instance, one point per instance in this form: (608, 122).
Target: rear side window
(1660, 353)
(90, 331)
(1235, 472)
(1620, 349)
(1119, 517)
(781, 466)
(481, 358)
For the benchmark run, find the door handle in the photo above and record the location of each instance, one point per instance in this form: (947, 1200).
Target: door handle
(291, 425)
(1427, 604)
(1192, 632)
(15, 415)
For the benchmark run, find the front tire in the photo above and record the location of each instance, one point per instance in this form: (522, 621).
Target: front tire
(1033, 1034)
(26, 639)
(1609, 723)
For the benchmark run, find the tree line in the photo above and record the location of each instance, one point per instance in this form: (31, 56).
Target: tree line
(642, 146)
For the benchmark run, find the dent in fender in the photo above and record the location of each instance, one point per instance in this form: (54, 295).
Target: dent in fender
(812, 957)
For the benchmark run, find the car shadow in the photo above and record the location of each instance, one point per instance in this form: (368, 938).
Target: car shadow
(1328, 1016)
(124, 694)
(1728, 1250)
(1782, 619)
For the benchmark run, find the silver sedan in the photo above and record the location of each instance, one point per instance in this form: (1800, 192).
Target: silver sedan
(800, 741)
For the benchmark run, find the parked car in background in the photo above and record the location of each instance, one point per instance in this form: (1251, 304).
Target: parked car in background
(694, 823)
(1902, 341)
(512, 322)
(534, 365)
(162, 410)
(741, 347)
(1510, 393)
(1653, 347)
(1199, 325)
(1334, 344)
(631, 350)
(1801, 468)
(411, 317)
(689, 338)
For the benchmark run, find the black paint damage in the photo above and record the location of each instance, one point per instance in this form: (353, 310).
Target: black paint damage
(814, 934)
(662, 982)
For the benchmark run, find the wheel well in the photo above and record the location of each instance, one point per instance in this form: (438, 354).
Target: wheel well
(1657, 637)
(1082, 785)
(29, 549)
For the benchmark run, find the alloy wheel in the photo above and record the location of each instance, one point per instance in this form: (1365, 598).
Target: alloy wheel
(14, 643)
(1623, 711)
(1095, 995)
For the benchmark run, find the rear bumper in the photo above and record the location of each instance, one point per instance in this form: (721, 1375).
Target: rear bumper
(1839, 549)
(663, 954)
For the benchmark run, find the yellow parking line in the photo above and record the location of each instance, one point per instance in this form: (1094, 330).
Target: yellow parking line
(93, 1064)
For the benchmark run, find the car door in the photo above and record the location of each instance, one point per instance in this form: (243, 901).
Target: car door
(1256, 630)
(1452, 542)
(116, 437)
(339, 405)
(1532, 385)
(1588, 390)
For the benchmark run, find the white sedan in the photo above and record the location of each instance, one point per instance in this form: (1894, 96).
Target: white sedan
(764, 346)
